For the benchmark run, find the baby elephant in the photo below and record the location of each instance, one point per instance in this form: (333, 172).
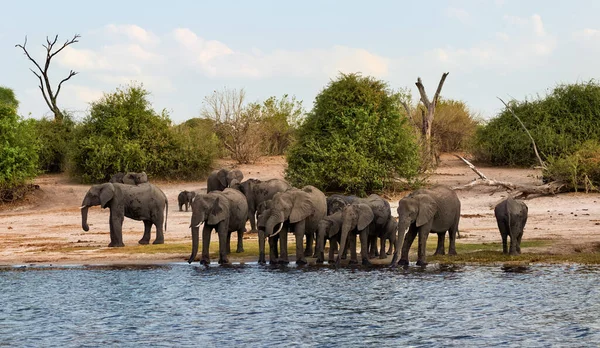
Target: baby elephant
(185, 198)
(511, 216)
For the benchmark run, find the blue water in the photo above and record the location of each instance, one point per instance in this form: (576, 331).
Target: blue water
(261, 306)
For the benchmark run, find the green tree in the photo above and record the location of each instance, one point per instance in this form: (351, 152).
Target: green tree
(354, 140)
(559, 123)
(7, 96)
(18, 149)
(280, 119)
(55, 139)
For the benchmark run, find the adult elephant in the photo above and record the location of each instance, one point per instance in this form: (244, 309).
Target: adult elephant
(144, 202)
(328, 229)
(218, 180)
(185, 199)
(337, 202)
(511, 216)
(257, 192)
(226, 212)
(296, 210)
(424, 211)
(355, 216)
(130, 178)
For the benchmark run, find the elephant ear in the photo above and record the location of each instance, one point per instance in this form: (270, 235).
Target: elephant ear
(365, 216)
(334, 227)
(222, 176)
(302, 207)
(427, 210)
(106, 194)
(218, 212)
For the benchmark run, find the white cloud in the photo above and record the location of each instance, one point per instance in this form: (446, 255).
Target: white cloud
(133, 32)
(587, 34)
(457, 13)
(83, 94)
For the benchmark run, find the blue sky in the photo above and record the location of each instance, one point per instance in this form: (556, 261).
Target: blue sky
(183, 50)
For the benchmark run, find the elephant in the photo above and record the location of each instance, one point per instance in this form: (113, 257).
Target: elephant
(390, 234)
(355, 217)
(220, 179)
(337, 202)
(184, 199)
(328, 229)
(296, 210)
(225, 211)
(424, 211)
(511, 216)
(144, 202)
(130, 178)
(257, 192)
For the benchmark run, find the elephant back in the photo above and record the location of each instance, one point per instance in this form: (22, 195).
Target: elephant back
(238, 207)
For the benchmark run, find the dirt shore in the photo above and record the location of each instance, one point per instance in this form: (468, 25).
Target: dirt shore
(45, 228)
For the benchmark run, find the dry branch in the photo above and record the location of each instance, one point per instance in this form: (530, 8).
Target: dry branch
(517, 190)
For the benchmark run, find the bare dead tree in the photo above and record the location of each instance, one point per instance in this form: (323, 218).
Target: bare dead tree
(427, 118)
(236, 123)
(42, 73)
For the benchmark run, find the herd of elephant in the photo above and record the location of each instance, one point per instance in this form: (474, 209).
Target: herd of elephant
(275, 209)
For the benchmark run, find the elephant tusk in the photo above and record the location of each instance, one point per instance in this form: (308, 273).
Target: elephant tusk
(198, 225)
(83, 206)
(279, 230)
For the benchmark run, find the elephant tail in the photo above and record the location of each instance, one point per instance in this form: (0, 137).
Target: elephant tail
(166, 212)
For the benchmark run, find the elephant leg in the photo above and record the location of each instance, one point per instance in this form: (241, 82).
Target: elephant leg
(252, 218)
(283, 241)
(299, 232)
(273, 250)
(205, 258)
(364, 252)
(440, 244)
(308, 251)
(116, 228)
(421, 254)
(352, 246)
(146, 237)
(519, 236)
(382, 254)
(332, 249)
(503, 233)
(160, 237)
(452, 233)
(224, 237)
(240, 242)
(228, 243)
(409, 238)
(261, 247)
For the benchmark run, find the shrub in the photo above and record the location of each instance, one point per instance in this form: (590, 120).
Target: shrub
(198, 147)
(54, 139)
(579, 170)
(123, 133)
(354, 140)
(7, 96)
(453, 127)
(18, 151)
(279, 121)
(559, 124)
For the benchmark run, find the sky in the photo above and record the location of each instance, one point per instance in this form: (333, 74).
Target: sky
(182, 51)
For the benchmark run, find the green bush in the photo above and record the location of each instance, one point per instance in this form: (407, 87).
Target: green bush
(354, 140)
(577, 171)
(123, 133)
(54, 139)
(18, 151)
(7, 96)
(198, 147)
(454, 125)
(559, 124)
(278, 123)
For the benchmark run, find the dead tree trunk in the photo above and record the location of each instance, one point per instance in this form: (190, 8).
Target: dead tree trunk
(50, 96)
(428, 116)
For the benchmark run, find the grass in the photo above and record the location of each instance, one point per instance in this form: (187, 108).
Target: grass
(468, 253)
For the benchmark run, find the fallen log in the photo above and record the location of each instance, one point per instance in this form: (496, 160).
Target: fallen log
(515, 190)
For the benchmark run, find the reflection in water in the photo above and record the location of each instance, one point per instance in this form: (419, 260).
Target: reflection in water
(285, 305)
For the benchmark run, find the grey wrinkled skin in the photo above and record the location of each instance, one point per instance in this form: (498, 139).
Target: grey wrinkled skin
(220, 179)
(258, 192)
(224, 211)
(130, 178)
(511, 216)
(368, 225)
(295, 210)
(337, 202)
(424, 211)
(185, 199)
(144, 202)
(328, 229)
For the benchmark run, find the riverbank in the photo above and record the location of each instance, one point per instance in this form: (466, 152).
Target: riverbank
(45, 228)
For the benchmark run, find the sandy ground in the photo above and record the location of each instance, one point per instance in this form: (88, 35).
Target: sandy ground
(46, 227)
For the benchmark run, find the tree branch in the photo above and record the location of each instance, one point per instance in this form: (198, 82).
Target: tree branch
(422, 92)
(28, 56)
(439, 89)
(71, 74)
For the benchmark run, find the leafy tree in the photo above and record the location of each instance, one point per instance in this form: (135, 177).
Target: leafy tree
(354, 140)
(18, 149)
(123, 133)
(279, 119)
(7, 96)
(560, 123)
(55, 139)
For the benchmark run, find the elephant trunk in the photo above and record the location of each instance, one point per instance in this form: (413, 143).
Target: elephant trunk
(272, 221)
(195, 242)
(343, 240)
(84, 215)
(261, 247)
(321, 244)
(402, 229)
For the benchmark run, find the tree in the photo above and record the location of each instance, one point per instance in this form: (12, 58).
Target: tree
(236, 123)
(279, 119)
(7, 96)
(49, 96)
(429, 112)
(354, 140)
